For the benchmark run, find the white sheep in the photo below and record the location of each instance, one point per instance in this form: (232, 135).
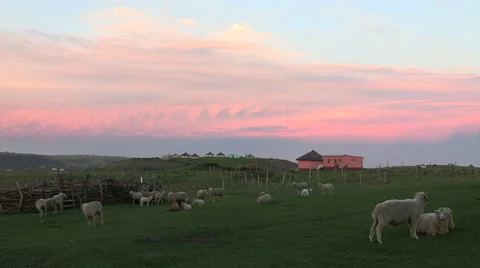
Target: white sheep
(326, 187)
(135, 196)
(169, 196)
(197, 202)
(451, 224)
(306, 192)
(187, 206)
(201, 194)
(147, 200)
(216, 192)
(394, 212)
(159, 196)
(434, 223)
(92, 212)
(57, 201)
(300, 186)
(148, 194)
(264, 199)
(42, 206)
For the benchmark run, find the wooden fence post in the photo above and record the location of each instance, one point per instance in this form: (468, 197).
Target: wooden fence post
(21, 198)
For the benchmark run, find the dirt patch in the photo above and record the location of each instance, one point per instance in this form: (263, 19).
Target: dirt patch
(204, 238)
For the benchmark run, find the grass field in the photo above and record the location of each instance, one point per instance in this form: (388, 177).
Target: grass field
(315, 231)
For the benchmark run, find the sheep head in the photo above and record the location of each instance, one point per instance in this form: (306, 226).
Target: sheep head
(422, 196)
(310, 190)
(442, 215)
(262, 193)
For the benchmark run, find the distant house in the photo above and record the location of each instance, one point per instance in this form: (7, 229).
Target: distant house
(210, 154)
(176, 156)
(249, 156)
(220, 155)
(233, 156)
(194, 156)
(312, 160)
(185, 155)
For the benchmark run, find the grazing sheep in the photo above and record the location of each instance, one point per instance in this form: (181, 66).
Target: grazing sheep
(326, 187)
(201, 194)
(147, 200)
(434, 223)
(264, 199)
(198, 202)
(159, 196)
(169, 196)
(394, 212)
(300, 186)
(92, 212)
(451, 224)
(306, 192)
(57, 201)
(135, 196)
(216, 192)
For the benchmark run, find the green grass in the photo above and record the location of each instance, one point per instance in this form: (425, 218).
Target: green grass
(317, 231)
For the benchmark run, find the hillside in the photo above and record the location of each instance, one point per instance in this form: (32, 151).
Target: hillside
(156, 164)
(17, 161)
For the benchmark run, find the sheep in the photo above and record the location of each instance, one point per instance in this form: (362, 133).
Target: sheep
(306, 192)
(326, 187)
(264, 199)
(148, 194)
(135, 196)
(147, 200)
(394, 212)
(92, 212)
(159, 196)
(57, 201)
(434, 223)
(300, 186)
(177, 197)
(216, 192)
(42, 206)
(187, 206)
(198, 202)
(451, 224)
(169, 196)
(201, 194)
(177, 206)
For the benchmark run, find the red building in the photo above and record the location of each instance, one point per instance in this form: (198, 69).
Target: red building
(312, 160)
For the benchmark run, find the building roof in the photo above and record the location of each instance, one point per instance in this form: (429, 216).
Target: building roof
(311, 156)
(195, 155)
(185, 154)
(220, 153)
(210, 153)
(341, 155)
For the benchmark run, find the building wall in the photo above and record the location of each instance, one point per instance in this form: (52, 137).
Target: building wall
(352, 162)
(304, 164)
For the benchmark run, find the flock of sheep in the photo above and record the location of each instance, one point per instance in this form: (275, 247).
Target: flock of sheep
(390, 212)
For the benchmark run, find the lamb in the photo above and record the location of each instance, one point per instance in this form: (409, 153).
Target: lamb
(216, 192)
(300, 186)
(434, 223)
(42, 206)
(57, 201)
(187, 206)
(264, 199)
(394, 212)
(92, 212)
(201, 194)
(147, 200)
(197, 202)
(178, 197)
(326, 187)
(159, 196)
(135, 196)
(306, 192)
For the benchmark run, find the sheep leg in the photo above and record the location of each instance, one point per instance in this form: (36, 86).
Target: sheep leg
(372, 229)
(101, 218)
(378, 232)
(413, 229)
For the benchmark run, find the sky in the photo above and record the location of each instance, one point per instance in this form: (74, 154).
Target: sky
(395, 81)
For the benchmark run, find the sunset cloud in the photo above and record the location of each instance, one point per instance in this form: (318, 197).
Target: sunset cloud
(142, 76)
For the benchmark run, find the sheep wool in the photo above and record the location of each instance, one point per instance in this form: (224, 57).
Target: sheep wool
(57, 202)
(306, 192)
(434, 223)
(326, 187)
(264, 199)
(198, 202)
(187, 207)
(135, 196)
(201, 194)
(42, 206)
(451, 224)
(394, 212)
(93, 211)
(159, 196)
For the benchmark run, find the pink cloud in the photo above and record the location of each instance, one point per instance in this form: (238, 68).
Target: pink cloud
(141, 76)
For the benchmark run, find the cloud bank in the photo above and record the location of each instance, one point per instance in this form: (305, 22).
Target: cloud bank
(139, 76)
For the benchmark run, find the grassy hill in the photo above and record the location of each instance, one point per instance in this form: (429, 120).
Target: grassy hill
(19, 161)
(158, 164)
